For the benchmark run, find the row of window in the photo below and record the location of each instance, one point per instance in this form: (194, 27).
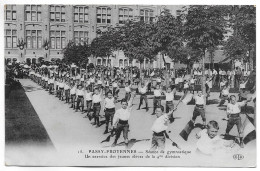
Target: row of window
(81, 14)
(34, 38)
(122, 62)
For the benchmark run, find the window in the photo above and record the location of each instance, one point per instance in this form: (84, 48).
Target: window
(80, 37)
(81, 14)
(58, 39)
(57, 13)
(178, 13)
(125, 62)
(33, 13)
(146, 15)
(104, 15)
(125, 14)
(104, 62)
(10, 38)
(120, 62)
(10, 12)
(34, 39)
(109, 62)
(99, 62)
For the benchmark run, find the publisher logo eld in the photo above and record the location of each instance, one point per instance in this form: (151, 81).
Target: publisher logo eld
(238, 157)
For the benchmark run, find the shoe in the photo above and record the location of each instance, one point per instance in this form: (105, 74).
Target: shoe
(147, 109)
(94, 123)
(138, 109)
(113, 145)
(97, 125)
(153, 114)
(106, 131)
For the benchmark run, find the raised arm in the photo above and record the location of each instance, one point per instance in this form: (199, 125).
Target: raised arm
(130, 102)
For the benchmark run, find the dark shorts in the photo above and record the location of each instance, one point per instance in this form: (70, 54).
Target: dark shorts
(96, 109)
(198, 111)
(234, 120)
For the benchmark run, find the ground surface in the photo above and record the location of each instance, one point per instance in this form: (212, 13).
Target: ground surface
(69, 131)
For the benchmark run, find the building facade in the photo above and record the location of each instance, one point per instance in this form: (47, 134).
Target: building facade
(40, 32)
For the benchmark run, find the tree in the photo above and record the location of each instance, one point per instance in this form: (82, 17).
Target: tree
(235, 47)
(136, 41)
(242, 19)
(105, 44)
(167, 38)
(76, 53)
(203, 29)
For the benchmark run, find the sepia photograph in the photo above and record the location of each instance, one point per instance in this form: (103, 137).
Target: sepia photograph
(129, 85)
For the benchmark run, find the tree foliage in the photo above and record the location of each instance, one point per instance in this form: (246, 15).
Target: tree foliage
(168, 37)
(204, 27)
(76, 53)
(242, 19)
(106, 43)
(136, 40)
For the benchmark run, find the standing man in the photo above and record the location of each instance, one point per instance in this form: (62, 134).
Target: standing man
(121, 117)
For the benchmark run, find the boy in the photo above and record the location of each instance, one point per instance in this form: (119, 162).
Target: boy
(159, 130)
(157, 98)
(121, 117)
(233, 115)
(96, 106)
(224, 95)
(143, 96)
(109, 109)
(169, 99)
(127, 91)
(209, 141)
(199, 108)
(80, 98)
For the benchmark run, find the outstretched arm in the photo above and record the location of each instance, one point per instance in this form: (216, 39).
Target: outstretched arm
(130, 102)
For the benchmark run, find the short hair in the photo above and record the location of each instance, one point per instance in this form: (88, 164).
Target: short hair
(161, 107)
(213, 124)
(109, 92)
(232, 96)
(124, 100)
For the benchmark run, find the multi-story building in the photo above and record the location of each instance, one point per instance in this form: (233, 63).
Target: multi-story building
(40, 32)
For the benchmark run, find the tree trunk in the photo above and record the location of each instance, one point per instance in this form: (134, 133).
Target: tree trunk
(203, 88)
(141, 70)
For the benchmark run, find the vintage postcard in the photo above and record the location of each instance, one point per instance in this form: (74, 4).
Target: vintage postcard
(130, 85)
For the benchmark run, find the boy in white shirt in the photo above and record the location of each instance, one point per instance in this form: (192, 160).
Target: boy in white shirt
(233, 115)
(96, 106)
(143, 97)
(199, 109)
(159, 130)
(209, 142)
(157, 98)
(109, 109)
(120, 120)
(80, 97)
